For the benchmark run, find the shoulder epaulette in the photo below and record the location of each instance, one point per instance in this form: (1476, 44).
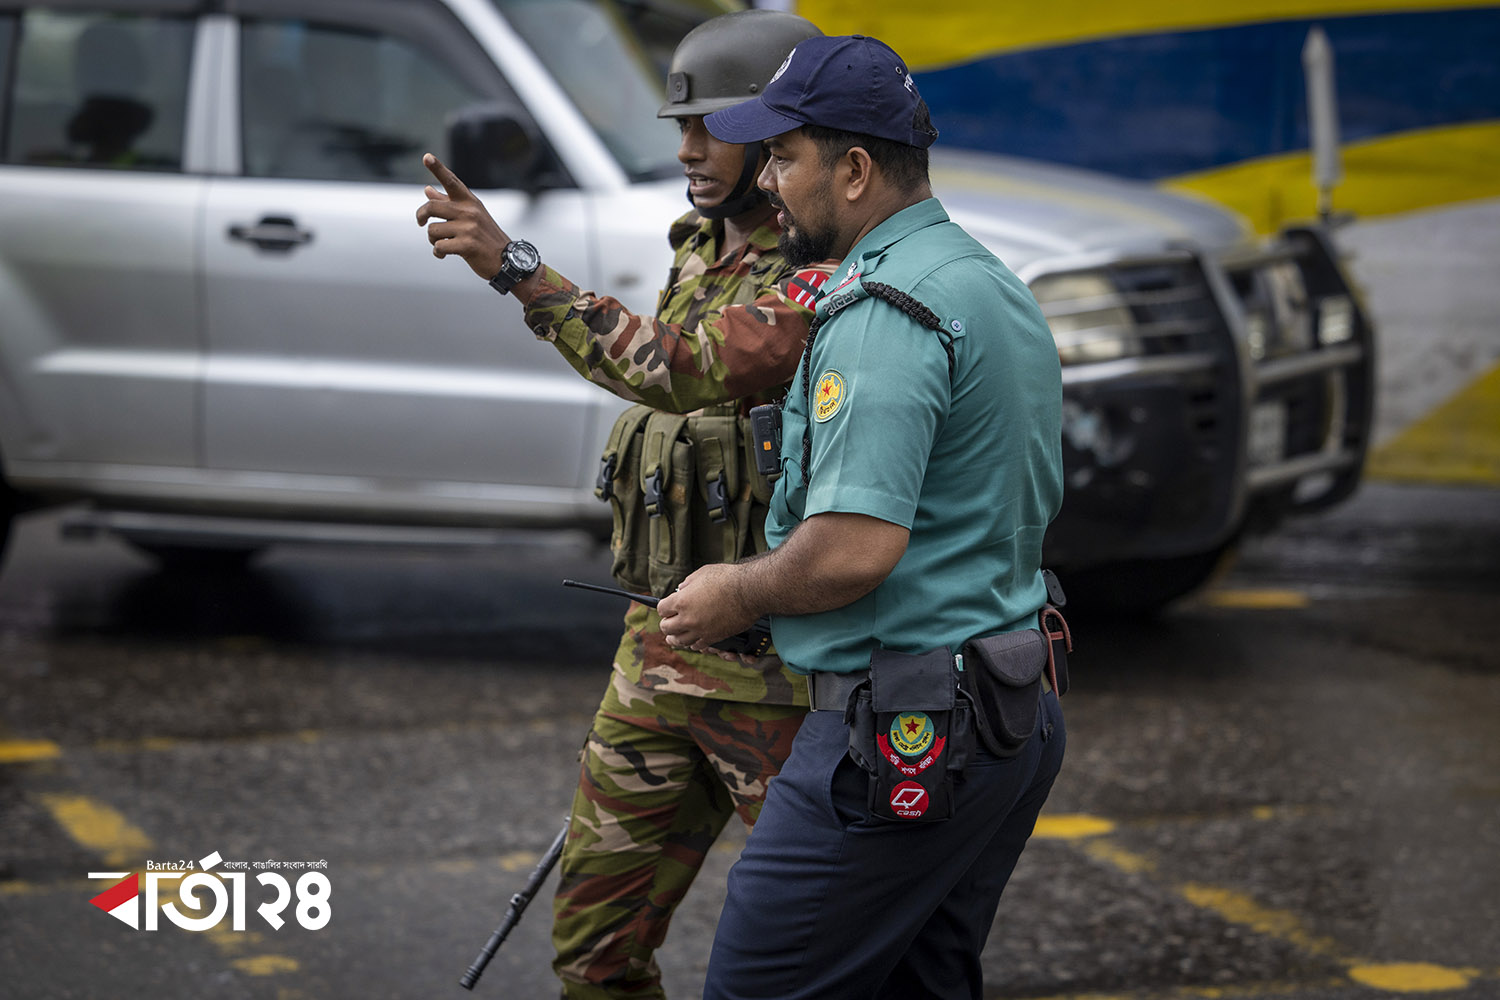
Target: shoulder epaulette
(909, 305)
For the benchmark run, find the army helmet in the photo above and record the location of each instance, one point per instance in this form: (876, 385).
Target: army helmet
(729, 59)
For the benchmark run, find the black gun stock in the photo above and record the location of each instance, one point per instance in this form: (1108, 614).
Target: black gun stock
(754, 641)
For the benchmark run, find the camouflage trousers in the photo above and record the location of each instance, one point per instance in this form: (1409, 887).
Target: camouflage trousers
(661, 774)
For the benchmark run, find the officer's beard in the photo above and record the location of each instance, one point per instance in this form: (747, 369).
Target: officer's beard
(807, 245)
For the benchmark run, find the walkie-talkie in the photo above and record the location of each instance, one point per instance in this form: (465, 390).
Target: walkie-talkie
(765, 432)
(754, 641)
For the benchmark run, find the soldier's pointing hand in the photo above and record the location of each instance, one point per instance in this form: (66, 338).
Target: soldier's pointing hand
(466, 228)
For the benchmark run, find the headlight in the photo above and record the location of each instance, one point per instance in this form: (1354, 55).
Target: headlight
(1278, 319)
(1089, 317)
(1335, 319)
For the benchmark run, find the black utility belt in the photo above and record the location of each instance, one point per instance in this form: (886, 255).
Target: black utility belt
(915, 720)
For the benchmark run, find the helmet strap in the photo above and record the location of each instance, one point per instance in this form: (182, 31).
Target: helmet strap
(745, 195)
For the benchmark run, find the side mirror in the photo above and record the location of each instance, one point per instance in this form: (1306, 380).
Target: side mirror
(490, 147)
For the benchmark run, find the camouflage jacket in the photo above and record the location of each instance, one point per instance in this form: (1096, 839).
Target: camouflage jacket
(727, 329)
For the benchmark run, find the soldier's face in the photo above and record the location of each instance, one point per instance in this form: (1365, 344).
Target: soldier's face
(801, 188)
(712, 167)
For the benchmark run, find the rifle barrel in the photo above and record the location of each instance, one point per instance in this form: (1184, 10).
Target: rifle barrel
(518, 904)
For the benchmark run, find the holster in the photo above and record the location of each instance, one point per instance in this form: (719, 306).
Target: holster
(911, 730)
(1003, 675)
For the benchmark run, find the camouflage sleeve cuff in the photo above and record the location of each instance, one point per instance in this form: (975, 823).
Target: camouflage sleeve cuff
(552, 304)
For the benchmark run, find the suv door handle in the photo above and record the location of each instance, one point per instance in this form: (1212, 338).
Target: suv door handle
(273, 232)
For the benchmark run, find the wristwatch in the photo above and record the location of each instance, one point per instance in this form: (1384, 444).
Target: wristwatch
(519, 262)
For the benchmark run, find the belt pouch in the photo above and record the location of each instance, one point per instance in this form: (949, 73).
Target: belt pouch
(1003, 675)
(619, 485)
(667, 483)
(718, 510)
(904, 730)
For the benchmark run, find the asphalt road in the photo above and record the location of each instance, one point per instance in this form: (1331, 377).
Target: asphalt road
(1289, 787)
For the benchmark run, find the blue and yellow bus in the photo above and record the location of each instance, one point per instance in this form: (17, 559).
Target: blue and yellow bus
(1211, 97)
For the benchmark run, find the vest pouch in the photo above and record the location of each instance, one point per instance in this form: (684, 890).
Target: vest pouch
(909, 726)
(619, 485)
(1003, 676)
(666, 489)
(719, 514)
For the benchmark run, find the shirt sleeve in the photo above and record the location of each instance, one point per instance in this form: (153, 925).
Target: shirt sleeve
(880, 397)
(731, 353)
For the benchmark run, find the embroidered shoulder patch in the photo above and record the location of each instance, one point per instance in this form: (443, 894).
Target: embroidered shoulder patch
(829, 395)
(804, 288)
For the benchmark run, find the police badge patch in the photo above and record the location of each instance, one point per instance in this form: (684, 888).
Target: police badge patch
(830, 395)
(912, 744)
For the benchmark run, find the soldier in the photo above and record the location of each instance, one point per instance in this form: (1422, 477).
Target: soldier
(681, 739)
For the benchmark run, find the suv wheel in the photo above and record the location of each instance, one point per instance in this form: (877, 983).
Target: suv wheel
(1145, 586)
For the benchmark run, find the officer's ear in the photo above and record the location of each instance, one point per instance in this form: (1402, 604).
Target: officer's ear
(854, 174)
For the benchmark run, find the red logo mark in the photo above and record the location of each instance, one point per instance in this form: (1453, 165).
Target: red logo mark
(804, 287)
(909, 800)
(120, 901)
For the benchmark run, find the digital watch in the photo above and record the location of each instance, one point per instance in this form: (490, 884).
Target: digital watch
(518, 262)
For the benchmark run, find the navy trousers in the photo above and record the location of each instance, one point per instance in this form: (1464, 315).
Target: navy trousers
(827, 903)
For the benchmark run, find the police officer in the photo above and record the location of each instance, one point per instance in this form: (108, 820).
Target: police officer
(920, 467)
(681, 739)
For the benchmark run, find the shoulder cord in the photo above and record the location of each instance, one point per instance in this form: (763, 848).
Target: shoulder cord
(908, 305)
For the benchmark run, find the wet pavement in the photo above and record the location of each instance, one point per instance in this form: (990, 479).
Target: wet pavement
(1287, 787)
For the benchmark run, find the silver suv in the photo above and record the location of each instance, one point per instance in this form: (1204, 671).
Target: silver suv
(220, 327)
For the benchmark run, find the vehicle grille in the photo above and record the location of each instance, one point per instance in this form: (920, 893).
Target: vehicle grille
(1176, 314)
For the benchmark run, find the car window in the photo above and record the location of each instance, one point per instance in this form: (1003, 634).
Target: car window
(7, 36)
(602, 66)
(99, 90)
(329, 103)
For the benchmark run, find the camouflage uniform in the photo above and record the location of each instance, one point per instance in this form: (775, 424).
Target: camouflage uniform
(681, 739)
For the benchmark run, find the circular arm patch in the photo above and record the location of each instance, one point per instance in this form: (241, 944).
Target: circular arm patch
(829, 396)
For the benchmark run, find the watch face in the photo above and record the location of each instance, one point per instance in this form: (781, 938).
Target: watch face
(521, 256)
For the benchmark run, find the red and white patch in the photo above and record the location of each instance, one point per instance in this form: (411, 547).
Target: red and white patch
(804, 286)
(909, 800)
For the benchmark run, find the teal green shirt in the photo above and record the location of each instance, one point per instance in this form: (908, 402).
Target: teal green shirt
(971, 463)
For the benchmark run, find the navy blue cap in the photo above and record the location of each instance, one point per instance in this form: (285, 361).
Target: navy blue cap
(848, 82)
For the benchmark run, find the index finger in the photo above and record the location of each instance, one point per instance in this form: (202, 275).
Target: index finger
(447, 178)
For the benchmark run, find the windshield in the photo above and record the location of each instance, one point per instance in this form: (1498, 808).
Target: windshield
(594, 52)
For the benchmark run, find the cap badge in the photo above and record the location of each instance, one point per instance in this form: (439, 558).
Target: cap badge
(784, 64)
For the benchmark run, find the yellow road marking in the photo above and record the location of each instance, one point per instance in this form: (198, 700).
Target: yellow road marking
(1458, 443)
(1412, 977)
(1071, 827)
(227, 939)
(1282, 925)
(1257, 600)
(266, 965)
(517, 861)
(1126, 861)
(1238, 908)
(21, 751)
(96, 826)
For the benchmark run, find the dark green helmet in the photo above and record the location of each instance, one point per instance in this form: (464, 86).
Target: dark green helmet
(729, 59)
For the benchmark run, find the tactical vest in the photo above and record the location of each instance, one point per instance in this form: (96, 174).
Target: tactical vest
(683, 491)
